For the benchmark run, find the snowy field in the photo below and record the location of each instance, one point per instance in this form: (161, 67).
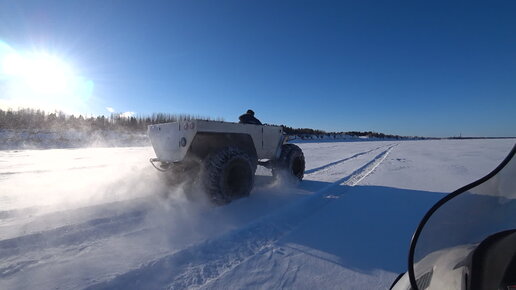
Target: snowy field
(102, 218)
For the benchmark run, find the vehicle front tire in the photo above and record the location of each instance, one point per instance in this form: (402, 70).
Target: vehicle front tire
(291, 161)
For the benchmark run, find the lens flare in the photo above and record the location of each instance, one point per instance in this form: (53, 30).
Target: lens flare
(42, 79)
(43, 73)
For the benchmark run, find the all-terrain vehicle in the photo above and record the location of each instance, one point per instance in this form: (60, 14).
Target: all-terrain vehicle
(467, 240)
(222, 157)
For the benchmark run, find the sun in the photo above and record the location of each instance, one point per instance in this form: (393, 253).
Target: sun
(42, 73)
(42, 79)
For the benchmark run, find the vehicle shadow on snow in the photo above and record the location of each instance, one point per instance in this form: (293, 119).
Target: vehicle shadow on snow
(364, 228)
(268, 195)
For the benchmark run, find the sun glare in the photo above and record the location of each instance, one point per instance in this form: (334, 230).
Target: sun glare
(41, 79)
(42, 73)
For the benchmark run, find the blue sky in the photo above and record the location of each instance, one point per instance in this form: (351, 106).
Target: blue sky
(428, 68)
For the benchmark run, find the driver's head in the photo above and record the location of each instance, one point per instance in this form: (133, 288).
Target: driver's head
(250, 112)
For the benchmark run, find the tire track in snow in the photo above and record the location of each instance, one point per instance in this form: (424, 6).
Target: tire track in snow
(364, 171)
(324, 168)
(201, 263)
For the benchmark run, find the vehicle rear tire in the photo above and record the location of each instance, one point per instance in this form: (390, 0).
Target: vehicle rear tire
(291, 160)
(228, 175)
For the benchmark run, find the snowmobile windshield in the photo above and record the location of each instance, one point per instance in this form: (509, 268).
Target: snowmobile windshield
(444, 241)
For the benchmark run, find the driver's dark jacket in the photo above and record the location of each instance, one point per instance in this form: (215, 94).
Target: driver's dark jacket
(249, 119)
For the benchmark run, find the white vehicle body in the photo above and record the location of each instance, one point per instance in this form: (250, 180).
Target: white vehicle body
(172, 141)
(222, 157)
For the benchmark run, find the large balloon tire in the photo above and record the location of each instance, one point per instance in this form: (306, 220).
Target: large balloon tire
(291, 161)
(228, 175)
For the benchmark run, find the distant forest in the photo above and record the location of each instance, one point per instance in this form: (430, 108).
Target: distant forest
(307, 131)
(40, 120)
(33, 119)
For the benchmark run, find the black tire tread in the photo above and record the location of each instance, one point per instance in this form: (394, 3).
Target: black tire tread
(214, 169)
(288, 151)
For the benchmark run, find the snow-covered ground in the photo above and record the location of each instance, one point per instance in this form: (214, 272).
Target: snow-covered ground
(49, 139)
(101, 218)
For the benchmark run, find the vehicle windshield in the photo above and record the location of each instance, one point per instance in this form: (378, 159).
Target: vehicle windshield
(461, 221)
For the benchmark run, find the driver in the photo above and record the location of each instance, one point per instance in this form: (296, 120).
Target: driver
(249, 118)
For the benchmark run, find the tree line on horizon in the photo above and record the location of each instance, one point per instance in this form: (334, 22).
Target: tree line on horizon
(312, 132)
(35, 119)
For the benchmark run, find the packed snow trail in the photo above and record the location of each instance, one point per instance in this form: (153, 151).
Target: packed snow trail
(323, 168)
(359, 174)
(199, 264)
